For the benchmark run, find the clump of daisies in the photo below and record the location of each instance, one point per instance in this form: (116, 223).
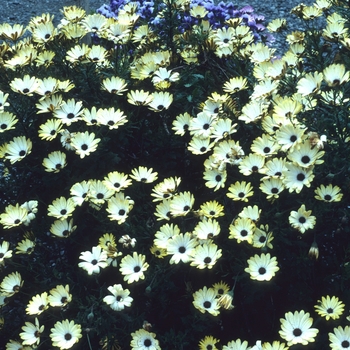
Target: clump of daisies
(165, 170)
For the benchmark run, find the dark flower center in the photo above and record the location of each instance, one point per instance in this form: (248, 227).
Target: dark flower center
(137, 269)
(218, 178)
(100, 196)
(65, 233)
(118, 298)
(207, 260)
(70, 115)
(330, 310)
(212, 212)
(244, 233)
(47, 36)
(302, 220)
(202, 149)
(262, 270)
(267, 149)
(186, 207)
(3, 126)
(17, 221)
(207, 304)
(293, 138)
(116, 185)
(297, 332)
(147, 342)
(262, 239)
(206, 126)
(93, 262)
(274, 190)
(68, 336)
(305, 159)
(25, 91)
(345, 344)
(121, 212)
(278, 173)
(182, 250)
(41, 307)
(84, 147)
(63, 300)
(53, 132)
(327, 197)
(160, 107)
(241, 194)
(254, 168)
(300, 177)
(22, 153)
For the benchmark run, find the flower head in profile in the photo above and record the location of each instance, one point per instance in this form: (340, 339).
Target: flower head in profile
(262, 268)
(143, 174)
(25, 86)
(65, 334)
(236, 345)
(60, 296)
(31, 333)
(330, 307)
(93, 261)
(38, 304)
(5, 252)
(132, 267)
(13, 216)
(310, 84)
(205, 255)
(55, 161)
(329, 193)
(18, 148)
(119, 207)
(160, 101)
(62, 228)
(7, 120)
(144, 340)
(120, 298)
(296, 328)
(205, 300)
(11, 284)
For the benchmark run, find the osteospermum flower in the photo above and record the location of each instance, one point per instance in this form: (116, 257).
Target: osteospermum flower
(262, 237)
(99, 192)
(335, 75)
(252, 163)
(208, 342)
(181, 247)
(13, 216)
(114, 85)
(160, 101)
(93, 261)
(80, 192)
(305, 155)
(310, 84)
(205, 300)
(18, 148)
(120, 298)
(61, 208)
(330, 307)
(252, 213)
(262, 268)
(295, 177)
(62, 228)
(206, 229)
(132, 267)
(302, 219)
(205, 255)
(272, 187)
(5, 252)
(142, 174)
(25, 86)
(65, 334)
(11, 284)
(215, 179)
(144, 340)
(26, 246)
(211, 209)
(38, 304)
(84, 143)
(119, 207)
(139, 97)
(111, 117)
(242, 230)
(329, 193)
(55, 161)
(31, 333)
(181, 204)
(236, 345)
(340, 338)
(289, 136)
(60, 296)
(296, 328)
(69, 111)
(7, 121)
(240, 191)
(116, 181)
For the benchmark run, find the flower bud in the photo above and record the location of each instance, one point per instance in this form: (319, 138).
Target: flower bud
(314, 251)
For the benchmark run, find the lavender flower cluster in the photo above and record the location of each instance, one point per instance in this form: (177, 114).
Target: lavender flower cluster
(217, 15)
